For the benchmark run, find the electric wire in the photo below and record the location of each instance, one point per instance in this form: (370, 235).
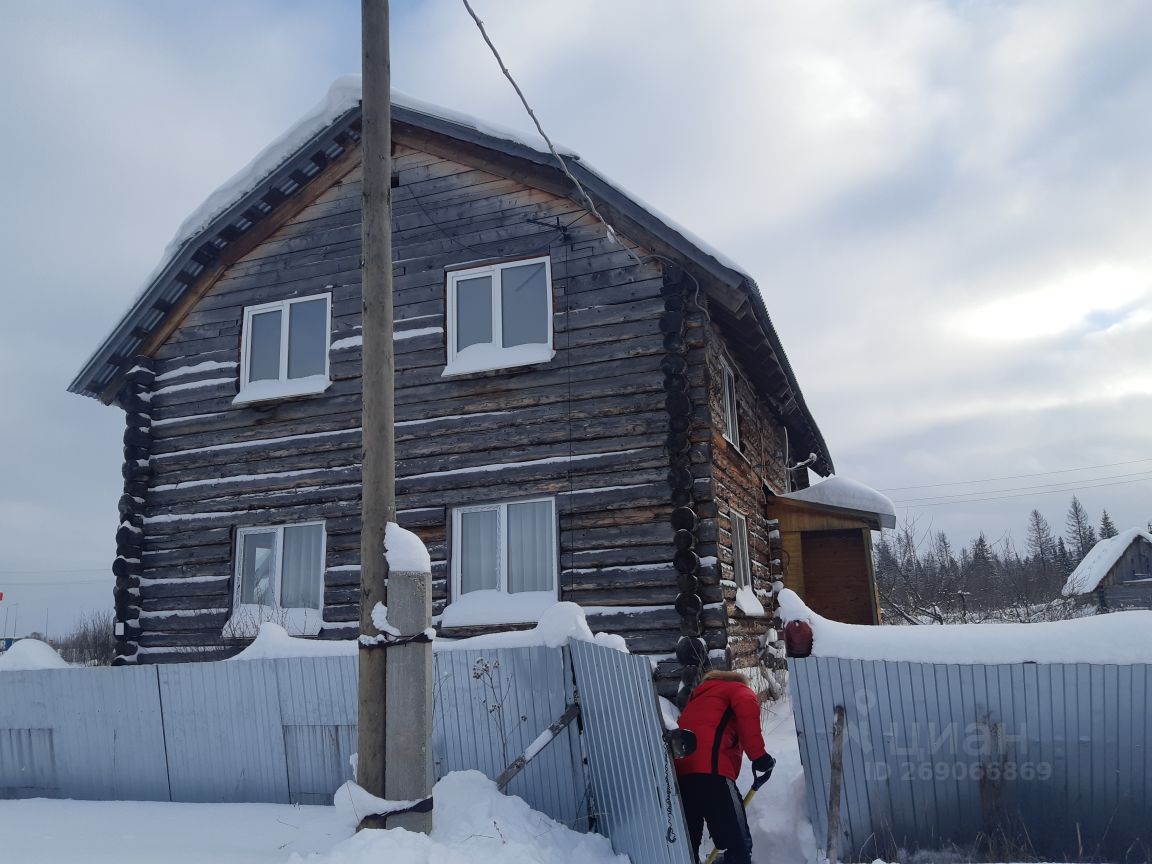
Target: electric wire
(1060, 486)
(913, 505)
(539, 128)
(1015, 476)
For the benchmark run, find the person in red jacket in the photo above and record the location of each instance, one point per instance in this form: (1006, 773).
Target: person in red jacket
(724, 715)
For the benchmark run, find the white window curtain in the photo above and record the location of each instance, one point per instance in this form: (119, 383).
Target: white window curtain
(301, 571)
(479, 550)
(530, 547)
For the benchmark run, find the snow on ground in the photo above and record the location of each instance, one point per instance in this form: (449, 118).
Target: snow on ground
(476, 823)
(1119, 637)
(29, 655)
(273, 643)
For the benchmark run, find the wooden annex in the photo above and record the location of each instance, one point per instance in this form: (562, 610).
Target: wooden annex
(660, 418)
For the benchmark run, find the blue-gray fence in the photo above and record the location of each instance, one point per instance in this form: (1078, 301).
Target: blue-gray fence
(1051, 759)
(284, 731)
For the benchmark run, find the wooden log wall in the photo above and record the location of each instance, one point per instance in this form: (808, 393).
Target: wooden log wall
(135, 398)
(740, 476)
(589, 428)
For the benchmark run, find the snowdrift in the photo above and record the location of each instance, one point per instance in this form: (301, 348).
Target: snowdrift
(1121, 637)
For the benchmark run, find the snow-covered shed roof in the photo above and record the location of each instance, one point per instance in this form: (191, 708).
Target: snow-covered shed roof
(1100, 559)
(845, 494)
(329, 132)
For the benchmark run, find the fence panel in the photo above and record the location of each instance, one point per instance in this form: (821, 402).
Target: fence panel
(490, 704)
(633, 779)
(224, 732)
(1048, 759)
(82, 733)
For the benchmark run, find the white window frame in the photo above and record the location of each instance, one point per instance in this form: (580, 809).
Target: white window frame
(728, 396)
(741, 551)
(535, 601)
(246, 617)
(496, 356)
(283, 387)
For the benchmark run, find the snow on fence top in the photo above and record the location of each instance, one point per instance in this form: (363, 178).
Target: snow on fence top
(558, 624)
(29, 655)
(1121, 637)
(1100, 559)
(849, 495)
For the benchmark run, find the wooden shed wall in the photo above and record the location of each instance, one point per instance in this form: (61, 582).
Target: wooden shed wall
(216, 466)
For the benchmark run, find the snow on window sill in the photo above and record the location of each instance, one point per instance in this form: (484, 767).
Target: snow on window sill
(261, 391)
(748, 603)
(247, 618)
(489, 358)
(497, 607)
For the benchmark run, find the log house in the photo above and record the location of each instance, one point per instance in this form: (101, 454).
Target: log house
(571, 424)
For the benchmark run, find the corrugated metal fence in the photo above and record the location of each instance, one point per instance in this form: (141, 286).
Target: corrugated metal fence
(1038, 759)
(284, 731)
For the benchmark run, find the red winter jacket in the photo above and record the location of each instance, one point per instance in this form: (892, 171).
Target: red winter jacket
(725, 716)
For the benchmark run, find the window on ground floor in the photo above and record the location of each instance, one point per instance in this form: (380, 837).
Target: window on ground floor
(279, 577)
(504, 561)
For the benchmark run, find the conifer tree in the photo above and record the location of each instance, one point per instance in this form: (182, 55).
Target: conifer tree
(1079, 533)
(1042, 547)
(1107, 529)
(1063, 561)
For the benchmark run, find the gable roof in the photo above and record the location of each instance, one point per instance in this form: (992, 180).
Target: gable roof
(848, 496)
(1101, 558)
(247, 207)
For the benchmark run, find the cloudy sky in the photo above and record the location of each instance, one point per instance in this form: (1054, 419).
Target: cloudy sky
(948, 206)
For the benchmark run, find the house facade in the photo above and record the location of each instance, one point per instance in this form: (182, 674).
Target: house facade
(578, 417)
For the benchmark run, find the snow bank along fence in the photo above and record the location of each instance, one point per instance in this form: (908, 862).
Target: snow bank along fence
(284, 731)
(1048, 759)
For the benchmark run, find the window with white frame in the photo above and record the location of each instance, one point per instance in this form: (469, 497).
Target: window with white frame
(279, 577)
(741, 559)
(731, 421)
(746, 599)
(284, 348)
(503, 562)
(499, 316)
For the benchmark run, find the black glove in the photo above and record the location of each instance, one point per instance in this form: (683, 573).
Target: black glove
(764, 765)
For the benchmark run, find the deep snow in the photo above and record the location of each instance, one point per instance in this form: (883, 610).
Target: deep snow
(1119, 637)
(29, 655)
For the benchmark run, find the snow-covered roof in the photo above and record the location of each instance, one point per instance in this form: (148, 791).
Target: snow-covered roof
(1120, 637)
(1100, 559)
(324, 135)
(849, 495)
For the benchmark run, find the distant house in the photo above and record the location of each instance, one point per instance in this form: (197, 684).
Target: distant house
(571, 423)
(1116, 573)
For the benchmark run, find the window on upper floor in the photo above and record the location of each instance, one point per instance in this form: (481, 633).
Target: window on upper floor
(731, 418)
(284, 348)
(504, 560)
(278, 577)
(499, 316)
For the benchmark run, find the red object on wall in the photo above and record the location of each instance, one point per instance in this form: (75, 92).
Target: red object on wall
(798, 638)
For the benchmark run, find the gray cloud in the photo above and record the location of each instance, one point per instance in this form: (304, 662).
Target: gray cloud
(947, 207)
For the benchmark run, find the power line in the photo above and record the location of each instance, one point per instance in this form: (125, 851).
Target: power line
(915, 506)
(563, 165)
(1063, 485)
(1014, 476)
(66, 570)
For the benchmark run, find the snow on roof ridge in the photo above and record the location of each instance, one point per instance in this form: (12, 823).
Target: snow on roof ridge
(1115, 638)
(840, 491)
(1099, 560)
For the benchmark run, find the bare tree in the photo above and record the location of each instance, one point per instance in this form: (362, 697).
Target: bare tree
(91, 641)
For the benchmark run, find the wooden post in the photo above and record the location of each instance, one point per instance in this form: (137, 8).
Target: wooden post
(833, 840)
(378, 492)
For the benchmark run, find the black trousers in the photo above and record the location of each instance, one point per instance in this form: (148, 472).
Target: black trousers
(714, 799)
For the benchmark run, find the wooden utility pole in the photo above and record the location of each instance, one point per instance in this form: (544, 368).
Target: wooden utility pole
(378, 484)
